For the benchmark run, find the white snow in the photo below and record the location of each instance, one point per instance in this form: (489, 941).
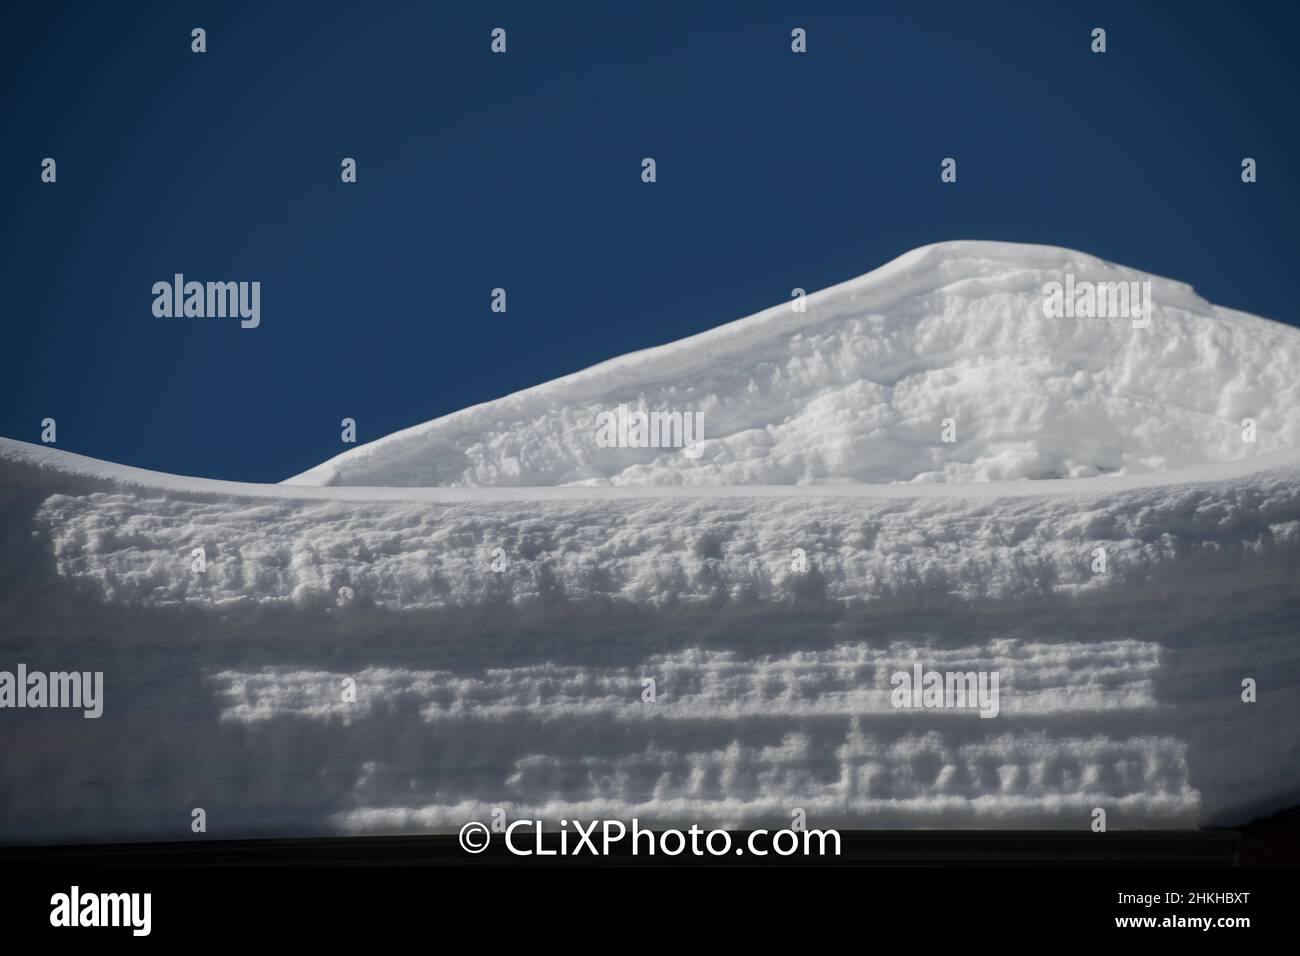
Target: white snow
(856, 388)
(519, 686)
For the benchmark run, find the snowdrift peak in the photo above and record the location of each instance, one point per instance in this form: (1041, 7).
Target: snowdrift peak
(947, 364)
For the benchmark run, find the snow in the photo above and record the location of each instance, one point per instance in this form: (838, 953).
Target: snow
(855, 389)
(499, 632)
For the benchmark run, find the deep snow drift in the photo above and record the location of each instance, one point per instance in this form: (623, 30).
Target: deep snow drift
(854, 389)
(499, 637)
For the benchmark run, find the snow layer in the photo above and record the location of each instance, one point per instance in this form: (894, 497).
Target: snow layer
(521, 689)
(855, 390)
(499, 636)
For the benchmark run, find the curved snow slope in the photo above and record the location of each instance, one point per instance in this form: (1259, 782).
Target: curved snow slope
(519, 686)
(856, 389)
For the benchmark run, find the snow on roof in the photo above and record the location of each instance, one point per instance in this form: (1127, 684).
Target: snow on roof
(857, 388)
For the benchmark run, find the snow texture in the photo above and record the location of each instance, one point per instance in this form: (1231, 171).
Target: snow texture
(854, 389)
(520, 687)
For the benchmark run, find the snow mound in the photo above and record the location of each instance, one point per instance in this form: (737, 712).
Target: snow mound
(498, 641)
(857, 388)
(495, 588)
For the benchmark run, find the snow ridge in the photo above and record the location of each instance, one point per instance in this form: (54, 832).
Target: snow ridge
(498, 586)
(855, 390)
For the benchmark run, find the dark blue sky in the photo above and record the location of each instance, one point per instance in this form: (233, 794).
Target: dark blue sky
(523, 171)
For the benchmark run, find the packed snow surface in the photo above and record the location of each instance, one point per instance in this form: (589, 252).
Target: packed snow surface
(500, 639)
(855, 389)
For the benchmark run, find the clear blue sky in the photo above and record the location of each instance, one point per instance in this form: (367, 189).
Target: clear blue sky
(523, 171)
